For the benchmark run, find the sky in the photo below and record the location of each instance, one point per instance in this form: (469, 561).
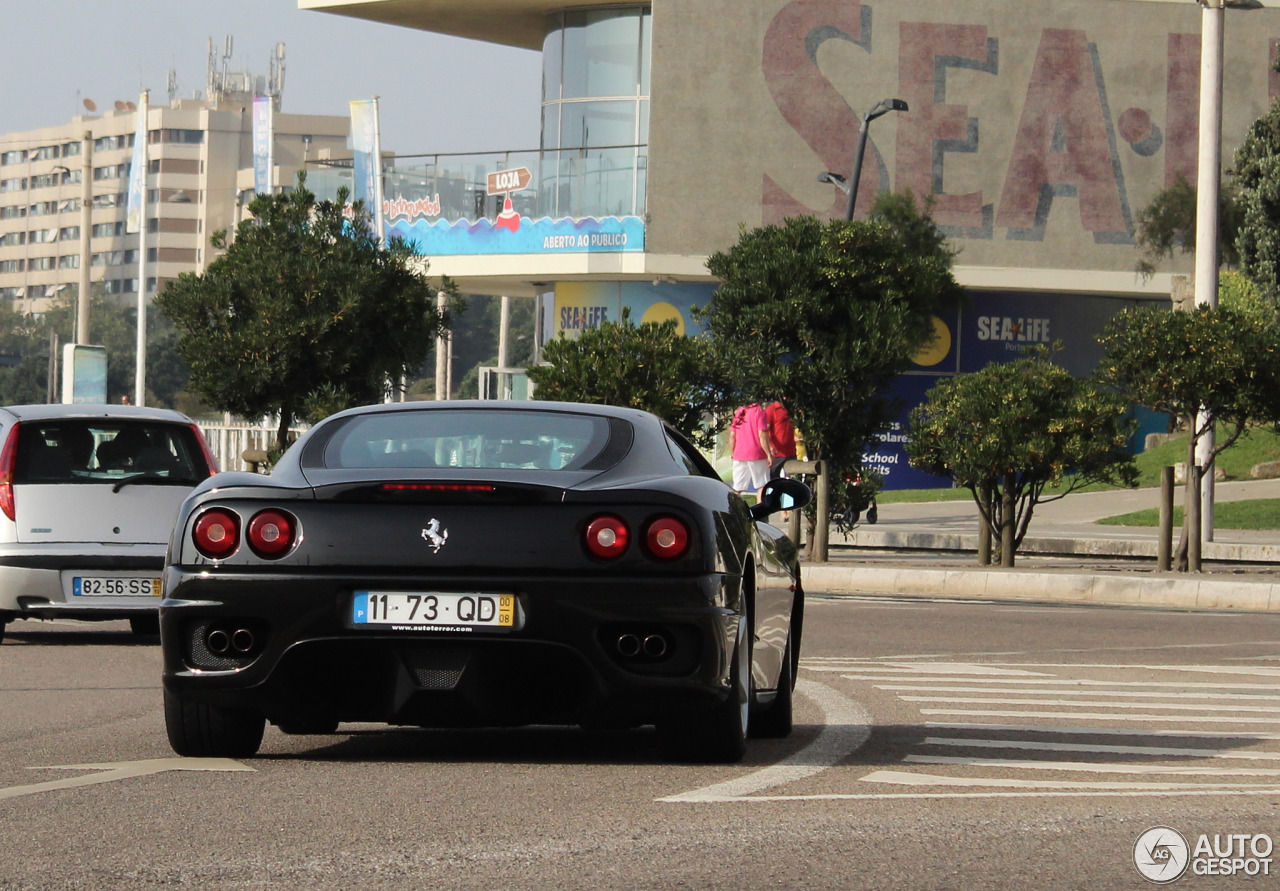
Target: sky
(436, 93)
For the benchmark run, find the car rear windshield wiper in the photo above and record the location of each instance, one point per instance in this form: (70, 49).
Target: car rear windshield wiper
(154, 479)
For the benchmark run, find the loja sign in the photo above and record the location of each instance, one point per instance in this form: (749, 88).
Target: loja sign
(513, 180)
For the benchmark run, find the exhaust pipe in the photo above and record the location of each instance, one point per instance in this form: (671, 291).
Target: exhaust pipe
(628, 646)
(242, 640)
(217, 641)
(655, 646)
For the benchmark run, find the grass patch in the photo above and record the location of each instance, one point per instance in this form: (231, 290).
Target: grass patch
(1261, 514)
(918, 496)
(1257, 445)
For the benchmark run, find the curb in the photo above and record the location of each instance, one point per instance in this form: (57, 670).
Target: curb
(889, 540)
(1167, 590)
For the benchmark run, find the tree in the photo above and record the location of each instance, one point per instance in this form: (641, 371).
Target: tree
(1257, 169)
(1222, 362)
(1167, 225)
(304, 313)
(25, 343)
(650, 366)
(1012, 430)
(823, 316)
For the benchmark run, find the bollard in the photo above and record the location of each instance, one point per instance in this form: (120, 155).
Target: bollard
(818, 547)
(254, 459)
(1164, 547)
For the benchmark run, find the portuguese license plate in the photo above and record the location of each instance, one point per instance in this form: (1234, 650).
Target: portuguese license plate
(114, 586)
(434, 609)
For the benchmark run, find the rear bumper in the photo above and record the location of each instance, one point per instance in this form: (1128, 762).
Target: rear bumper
(34, 582)
(560, 663)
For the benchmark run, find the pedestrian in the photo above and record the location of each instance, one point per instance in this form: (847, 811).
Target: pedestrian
(749, 448)
(782, 437)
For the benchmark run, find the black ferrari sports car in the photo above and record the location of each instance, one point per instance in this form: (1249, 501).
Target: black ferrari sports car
(473, 564)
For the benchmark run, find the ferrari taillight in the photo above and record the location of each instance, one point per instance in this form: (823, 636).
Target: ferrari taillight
(271, 533)
(217, 533)
(8, 460)
(667, 538)
(607, 537)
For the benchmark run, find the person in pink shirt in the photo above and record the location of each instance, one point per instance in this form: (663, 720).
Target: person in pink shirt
(749, 447)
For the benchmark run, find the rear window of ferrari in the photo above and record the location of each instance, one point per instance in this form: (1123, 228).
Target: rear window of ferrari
(462, 438)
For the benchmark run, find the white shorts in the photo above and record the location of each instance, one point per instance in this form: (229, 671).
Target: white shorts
(749, 476)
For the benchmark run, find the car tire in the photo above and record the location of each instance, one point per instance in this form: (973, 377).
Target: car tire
(145, 626)
(774, 721)
(718, 736)
(199, 730)
(3, 625)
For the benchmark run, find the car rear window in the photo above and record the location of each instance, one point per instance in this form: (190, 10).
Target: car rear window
(488, 439)
(86, 451)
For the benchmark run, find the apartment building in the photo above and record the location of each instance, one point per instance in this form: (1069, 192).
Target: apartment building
(199, 151)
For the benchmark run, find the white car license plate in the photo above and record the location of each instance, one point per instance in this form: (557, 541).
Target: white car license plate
(114, 586)
(434, 609)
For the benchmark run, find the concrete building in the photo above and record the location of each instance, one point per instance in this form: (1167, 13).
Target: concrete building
(197, 152)
(1039, 128)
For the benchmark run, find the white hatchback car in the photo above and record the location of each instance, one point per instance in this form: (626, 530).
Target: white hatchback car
(88, 497)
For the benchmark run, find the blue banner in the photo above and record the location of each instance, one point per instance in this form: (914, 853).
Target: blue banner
(137, 201)
(263, 140)
(364, 141)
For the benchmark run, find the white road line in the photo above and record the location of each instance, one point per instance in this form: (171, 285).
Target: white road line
(1088, 767)
(1023, 691)
(890, 681)
(1099, 748)
(909, 670)
(1092, 716)
(1198, 792)
(846, 727)
(1102, 731)
(111, 771)
(1194, 706)
(1258, 671)
(902, 778)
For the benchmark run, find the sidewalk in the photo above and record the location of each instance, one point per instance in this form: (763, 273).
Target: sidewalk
(930, 550)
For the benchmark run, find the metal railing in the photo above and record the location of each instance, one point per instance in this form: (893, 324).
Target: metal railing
(229, 440)
(609, 181)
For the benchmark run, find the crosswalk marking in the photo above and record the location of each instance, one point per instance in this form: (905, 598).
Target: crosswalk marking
(903, 778)
(1103, 731)
(965, 700)
(1092, 767)
(1004, 730)
(1098, 748)
(972, 714)
(1092, 691)
(888, 682)
(1088, 716)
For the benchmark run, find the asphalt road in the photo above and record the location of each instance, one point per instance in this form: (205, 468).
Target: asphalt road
(940, 745)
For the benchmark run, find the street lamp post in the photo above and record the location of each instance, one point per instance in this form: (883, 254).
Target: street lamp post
(1208, 188)
(86, 224)
(882, 107)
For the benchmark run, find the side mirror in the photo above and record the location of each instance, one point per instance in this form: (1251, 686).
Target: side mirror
(781, 494)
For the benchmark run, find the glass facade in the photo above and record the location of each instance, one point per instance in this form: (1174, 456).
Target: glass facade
(582, 190)
(595, 112)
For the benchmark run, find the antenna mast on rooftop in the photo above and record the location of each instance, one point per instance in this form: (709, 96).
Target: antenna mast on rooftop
(275, 83)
